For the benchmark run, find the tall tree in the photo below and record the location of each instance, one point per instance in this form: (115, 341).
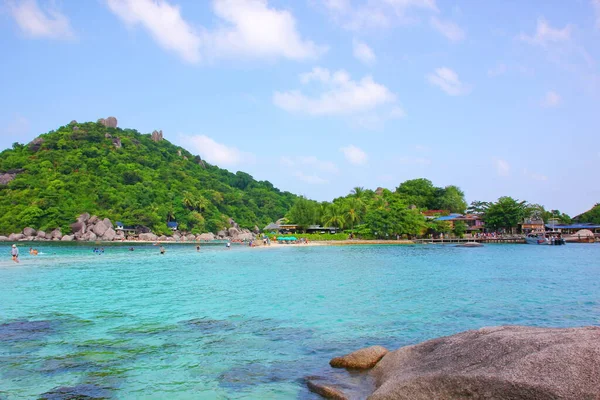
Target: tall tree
(506, 213)
(334, 216)
(303, 213)
(419, 192)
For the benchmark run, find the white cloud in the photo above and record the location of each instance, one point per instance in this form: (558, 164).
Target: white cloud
(363, 52)
(36, 22)
(502, 167)
(216, 153)
(449, 29)
(164, 23)
(498, 70)
(312, 179)
(354, 155)
(247, 28)
(447, 80)
(551, 99)
(341, 95)
(258, 30)
(534, 176)
(545, 34)
(423, 148)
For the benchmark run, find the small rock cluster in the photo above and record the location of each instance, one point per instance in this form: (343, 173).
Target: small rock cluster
(157, 136)
(110, 122)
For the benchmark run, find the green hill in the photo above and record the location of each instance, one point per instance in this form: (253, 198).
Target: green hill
(139, 179)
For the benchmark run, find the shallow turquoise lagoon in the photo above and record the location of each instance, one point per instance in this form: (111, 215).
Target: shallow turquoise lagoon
(251, 323)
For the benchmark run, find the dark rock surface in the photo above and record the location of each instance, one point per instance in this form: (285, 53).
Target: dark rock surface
(361, 359)
(508, 362)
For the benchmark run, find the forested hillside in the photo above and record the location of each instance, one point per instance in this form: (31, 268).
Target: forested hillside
(139, 179)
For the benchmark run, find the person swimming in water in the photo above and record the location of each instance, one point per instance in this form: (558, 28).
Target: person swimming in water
(198, 247)
(162, 250)
(228, 245)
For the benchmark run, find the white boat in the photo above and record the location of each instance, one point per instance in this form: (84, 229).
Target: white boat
(537, 238)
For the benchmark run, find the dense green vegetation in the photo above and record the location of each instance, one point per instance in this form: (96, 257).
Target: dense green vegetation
(126, 176)
(591, 216)
(383, 213)
(78, 168)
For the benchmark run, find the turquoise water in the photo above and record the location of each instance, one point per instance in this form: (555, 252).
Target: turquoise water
(251, 323)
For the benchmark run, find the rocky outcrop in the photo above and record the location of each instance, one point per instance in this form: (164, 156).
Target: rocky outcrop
(509, 362)
(190, 237)
(29, 232)
(68, 238)
(75, 128)
(41, 235)
(151, 237)
(100, 228)
(206, 236)
(221, 234)
(56, 234)
(245, 236)
(117, 143)
(6, 178)
(157, 136)
(36, 144)
(110, 122)
(361, 359)
(73, 122)
(233, 233)
(107, 136)
(3, 239)
(324, 389)
(15, 236)
(85, 217)
(78, 227)
(109, 235)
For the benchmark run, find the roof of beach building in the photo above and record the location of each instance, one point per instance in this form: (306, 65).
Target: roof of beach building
(450, 217)
(573, 226)
(271, 226)
(172, 224)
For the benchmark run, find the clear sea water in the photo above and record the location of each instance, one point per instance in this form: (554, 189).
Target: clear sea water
(252, 323)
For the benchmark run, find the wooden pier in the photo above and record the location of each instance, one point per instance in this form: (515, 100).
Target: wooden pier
(515, 239)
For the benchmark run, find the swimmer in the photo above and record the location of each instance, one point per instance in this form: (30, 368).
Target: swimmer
(15, 253)
(162, 250)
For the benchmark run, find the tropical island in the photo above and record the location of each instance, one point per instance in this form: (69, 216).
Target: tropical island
(122, 178)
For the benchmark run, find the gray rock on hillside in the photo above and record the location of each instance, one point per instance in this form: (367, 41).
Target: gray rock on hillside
(78, 227)
(13, 237)
(29, 231)
(6, 178)
(206, 236)
(67, 238)
(150, 237)
(221, 234)
(93, 219)
(36, 144)
(157, 136)
(3, 239)
(56, 234)
(245, 236)
(109, 235)
(361, 359)
(233, 232)
(73, 122)
(508, 362)
(110, 122)
(100, 228)
(108, 223)
(41, 235)
(85, 217)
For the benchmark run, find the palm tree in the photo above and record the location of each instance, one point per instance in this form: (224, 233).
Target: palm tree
(334, 216)
(354, 210)
(358, 192)
(189, 200)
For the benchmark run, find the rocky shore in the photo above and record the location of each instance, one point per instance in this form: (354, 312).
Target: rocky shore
(91, 228)
(506, 362)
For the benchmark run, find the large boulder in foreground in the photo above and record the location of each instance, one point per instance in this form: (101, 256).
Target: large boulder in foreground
(509, 362)
(361, 359)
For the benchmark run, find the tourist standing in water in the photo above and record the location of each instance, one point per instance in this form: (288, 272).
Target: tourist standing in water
(162, 250)
(15, 253)
(228, 245)
(198, 247)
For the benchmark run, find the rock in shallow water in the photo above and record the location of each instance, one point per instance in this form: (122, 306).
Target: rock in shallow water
(324, 389)
(509, 362)
(361, 359)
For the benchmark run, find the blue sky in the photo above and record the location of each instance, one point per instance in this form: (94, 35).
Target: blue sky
(318, 96)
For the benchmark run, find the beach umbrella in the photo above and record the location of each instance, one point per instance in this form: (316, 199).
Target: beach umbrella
(292, 238)
(280, 238)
